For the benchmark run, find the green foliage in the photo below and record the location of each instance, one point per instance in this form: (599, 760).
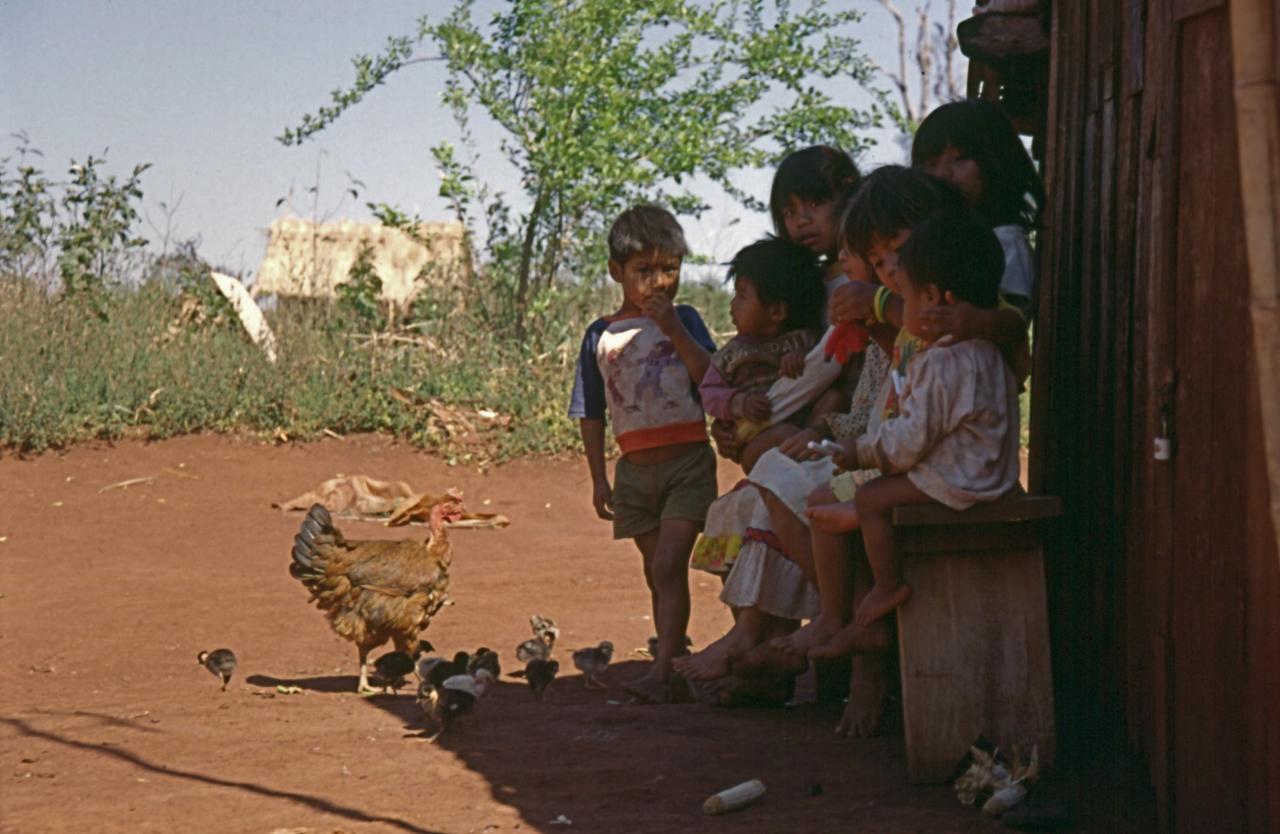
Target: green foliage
(83, 227)
(360, 295)
(604, 103)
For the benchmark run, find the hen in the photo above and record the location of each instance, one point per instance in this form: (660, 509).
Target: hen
(375, 591)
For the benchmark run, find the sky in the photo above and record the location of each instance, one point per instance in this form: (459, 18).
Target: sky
(200, 90)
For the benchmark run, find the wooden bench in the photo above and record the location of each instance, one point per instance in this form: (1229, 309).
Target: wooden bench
(974, 637)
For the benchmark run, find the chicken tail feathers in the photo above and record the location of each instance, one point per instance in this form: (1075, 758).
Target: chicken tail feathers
(308, 562)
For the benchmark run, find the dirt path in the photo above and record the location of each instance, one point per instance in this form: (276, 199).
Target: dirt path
(107, 723)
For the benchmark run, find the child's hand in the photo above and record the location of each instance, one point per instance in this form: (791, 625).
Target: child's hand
(726, 440)
(847, 458)
(754, 405)
(792, 364)
(960, 320)
(602, 499)
(852, 302)
(796, 446)
(659, 308)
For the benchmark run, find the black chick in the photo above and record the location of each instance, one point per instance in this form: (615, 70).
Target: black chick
(540, 673)
(455, 697)
(392, 668)
(220, 663)
(593, 661)
(436, 670)
(487, 659)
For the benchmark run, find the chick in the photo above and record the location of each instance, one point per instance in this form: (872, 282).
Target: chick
(487, 659)
(392, 668)
(533, 649)
(220, 663)
(540, 673)
(455, 697)
(544, 628)
(435, 670)
(592, 663)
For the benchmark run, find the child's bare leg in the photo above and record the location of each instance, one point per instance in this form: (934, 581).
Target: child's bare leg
(763, 442)
(868, 694)
(875, 502)
(831, 565)
(647, 543)
(669, 569)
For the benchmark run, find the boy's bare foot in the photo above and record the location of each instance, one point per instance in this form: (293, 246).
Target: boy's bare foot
(841, 517)
(868, 695)
(854, 639)
(654, 687)
(812, 635)
(713, 661)
(766, 661)
(880, 601)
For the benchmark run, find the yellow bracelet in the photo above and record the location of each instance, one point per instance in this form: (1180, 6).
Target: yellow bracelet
(879, 302)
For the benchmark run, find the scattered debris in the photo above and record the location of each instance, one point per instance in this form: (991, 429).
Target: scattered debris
(125, 484)
(288, 690)
(731, 799)
(393, 503)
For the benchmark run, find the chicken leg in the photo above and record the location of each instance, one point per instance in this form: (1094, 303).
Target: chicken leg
(363, 689)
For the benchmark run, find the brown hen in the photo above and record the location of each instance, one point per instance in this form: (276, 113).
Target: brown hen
(374, 591)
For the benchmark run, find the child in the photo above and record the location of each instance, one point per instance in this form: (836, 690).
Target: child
(891, 201)
(972, 144)
(642, 366)
(954, 440)
(777, 306)
(809, 194)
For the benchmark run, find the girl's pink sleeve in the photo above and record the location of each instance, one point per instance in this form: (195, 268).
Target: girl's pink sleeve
(717, 394)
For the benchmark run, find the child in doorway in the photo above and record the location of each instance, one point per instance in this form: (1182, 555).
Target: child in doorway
(954, 440)
(972, 144)
(777, 303)
(641, 366)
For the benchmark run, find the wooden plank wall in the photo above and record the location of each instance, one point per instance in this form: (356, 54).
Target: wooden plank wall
(1163, 580)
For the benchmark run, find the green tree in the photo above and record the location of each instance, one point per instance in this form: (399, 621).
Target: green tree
(606, 102)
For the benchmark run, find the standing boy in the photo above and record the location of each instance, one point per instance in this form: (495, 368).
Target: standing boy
(643, 365)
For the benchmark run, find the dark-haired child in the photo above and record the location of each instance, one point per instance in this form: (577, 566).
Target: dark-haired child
(777, 303)
(972, 144)
(954, 439)
(641, 366)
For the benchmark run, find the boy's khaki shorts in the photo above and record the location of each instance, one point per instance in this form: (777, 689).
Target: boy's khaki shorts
(645, 496)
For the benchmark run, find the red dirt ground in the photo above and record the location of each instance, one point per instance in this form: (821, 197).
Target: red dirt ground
(108, 724)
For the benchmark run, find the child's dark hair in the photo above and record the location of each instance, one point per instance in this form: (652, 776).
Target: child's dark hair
(644, 228)
(958, 253)
(980, 130)
(817, 174)
(894, 198)
(787, 273)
